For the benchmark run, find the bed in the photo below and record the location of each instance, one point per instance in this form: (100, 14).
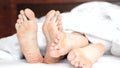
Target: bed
(106, 61)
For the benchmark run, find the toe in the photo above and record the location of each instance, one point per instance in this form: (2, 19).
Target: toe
(88, 67)
(19, 21)
(24, 18)
(56, 48)
(30, 14)
(58, 37)
(56, 41)
(77, 61)
(16, 26)
(49, 15)
(84, 66)
(73, 62)
(54, 18)
(53, 44)
(60, 28)
(21, 12)
(80, 65)
(22, 15)
(76, 64)
(20, 18)
(71, 56)
(57, 16)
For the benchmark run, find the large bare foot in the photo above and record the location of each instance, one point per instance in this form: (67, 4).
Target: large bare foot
(26, 27)
(85, 57)
(51, 28)
(59, 43)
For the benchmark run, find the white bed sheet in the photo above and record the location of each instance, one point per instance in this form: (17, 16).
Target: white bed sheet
(103, 62)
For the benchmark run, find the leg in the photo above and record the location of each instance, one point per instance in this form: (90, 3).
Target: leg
(26, 27)
(59, 43)
(86, 56)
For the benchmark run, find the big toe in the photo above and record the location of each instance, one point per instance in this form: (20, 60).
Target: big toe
(50, 15)
(30, 14)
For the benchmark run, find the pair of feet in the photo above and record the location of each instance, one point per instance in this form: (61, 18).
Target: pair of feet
(59, 43)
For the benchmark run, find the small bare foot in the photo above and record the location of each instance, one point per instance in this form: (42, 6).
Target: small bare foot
(26, 28)
(59, 43)
(85, 57)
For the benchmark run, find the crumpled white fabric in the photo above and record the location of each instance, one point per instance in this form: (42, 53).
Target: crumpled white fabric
(99, 21)
(9, 48)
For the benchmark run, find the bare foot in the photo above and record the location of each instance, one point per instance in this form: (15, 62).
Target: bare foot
(85, 57)
(26, 27)
(59, 43)
(51, 28)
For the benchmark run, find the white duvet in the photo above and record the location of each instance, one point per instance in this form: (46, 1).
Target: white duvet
(11, 59)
